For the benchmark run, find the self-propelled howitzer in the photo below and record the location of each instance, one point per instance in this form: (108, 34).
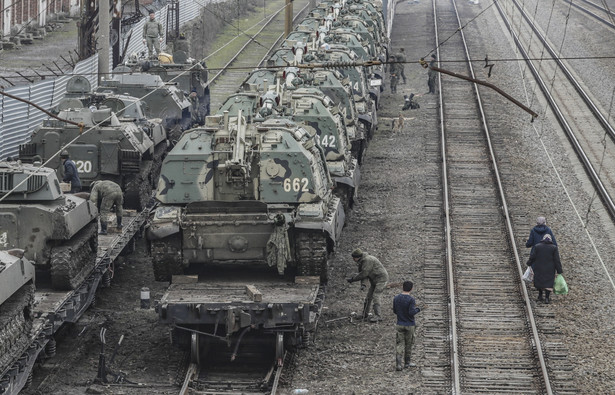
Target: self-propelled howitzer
(244, 193)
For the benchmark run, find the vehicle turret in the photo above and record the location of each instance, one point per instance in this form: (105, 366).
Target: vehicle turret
(57, 231)
(238, 192)
(111, 150)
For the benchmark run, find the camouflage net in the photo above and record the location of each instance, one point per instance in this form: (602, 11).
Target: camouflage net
(278, 248)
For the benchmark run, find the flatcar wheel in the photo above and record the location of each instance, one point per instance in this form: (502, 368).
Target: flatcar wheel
(279, 348)
(195, 354)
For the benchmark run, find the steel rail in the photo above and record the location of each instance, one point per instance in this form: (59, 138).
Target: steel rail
(455, 379)
(252, 38)
(588, 101)
(280, 37)
(278, 374)
(589, 168)
(608, 22)
(529, 311)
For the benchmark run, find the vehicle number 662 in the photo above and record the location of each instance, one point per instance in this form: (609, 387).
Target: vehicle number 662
(83, 166)
(296, 184)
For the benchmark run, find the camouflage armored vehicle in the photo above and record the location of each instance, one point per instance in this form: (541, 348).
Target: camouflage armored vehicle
(16, 306)
(232, 192)
(164, 100)
(122, 152)
(58, 232)
(308, 106)
(186, 73)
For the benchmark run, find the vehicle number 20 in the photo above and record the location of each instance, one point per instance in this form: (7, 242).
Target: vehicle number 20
(83, 166)
(296, 184)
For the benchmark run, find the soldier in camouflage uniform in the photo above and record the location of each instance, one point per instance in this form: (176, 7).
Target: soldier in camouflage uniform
(152, 34)
(370, 268)
(401, 67)
(104, 194)
(394, 71)
(195, 113)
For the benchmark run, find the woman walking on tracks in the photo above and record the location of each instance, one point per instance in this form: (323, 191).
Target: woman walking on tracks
(545, 261)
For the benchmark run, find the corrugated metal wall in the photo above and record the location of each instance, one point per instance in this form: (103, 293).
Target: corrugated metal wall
(18, 119)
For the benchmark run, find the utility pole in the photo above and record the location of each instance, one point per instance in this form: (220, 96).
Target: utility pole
(103, 39)
(288, 20)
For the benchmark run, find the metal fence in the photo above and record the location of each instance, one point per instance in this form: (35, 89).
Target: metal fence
(18, 119)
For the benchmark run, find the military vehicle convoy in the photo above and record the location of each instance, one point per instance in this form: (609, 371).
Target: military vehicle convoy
(16, 305)
(289, 97)
(58, 232)
(238, 192)
(116, 149)
(260, 184)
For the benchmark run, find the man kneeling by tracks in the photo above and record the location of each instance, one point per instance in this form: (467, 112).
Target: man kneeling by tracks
(372, 269)
(104, 194)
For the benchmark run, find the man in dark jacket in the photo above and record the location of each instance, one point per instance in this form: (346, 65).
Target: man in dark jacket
(404, 307)
(545, 262)
(370, 268)
(538, 232)
(70, 173)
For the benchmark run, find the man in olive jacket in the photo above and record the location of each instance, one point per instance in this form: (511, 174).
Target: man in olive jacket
(152, 34)
(372, 269)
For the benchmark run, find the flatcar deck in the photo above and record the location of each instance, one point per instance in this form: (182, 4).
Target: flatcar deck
(54, 308)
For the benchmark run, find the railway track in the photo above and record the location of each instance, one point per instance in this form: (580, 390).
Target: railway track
(581, 117)
(251, 54)
(256, 370)
(596, 11)
(495, 344)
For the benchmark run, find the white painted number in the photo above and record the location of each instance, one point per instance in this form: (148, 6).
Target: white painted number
(327, 141)
(83, 166)
(296, 184)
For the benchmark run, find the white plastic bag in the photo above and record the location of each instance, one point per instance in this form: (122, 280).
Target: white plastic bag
(528, 276)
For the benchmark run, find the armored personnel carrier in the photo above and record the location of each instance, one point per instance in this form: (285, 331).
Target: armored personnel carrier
(164, 100)
(118, 151)
(235, 192)
(58, 232)
(186, 73)
(16, 303)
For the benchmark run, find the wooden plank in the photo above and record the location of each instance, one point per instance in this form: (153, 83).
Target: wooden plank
(180, 279)
(307, 280)
(254, 293)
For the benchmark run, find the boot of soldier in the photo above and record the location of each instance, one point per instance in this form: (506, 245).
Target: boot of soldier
(408, 364)
(103, 229)
(539, 295)
(376, 316)
(119, 222)
(398, 364)
(547, 294)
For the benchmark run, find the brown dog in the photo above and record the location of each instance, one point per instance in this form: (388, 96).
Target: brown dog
(398, 124)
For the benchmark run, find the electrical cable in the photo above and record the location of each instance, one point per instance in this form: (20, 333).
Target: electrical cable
(359, 64)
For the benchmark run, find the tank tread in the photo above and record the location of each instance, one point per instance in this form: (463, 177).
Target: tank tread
(15, 325)
(311, 253)
(167, 257)
(138, 188)
(73, 261)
